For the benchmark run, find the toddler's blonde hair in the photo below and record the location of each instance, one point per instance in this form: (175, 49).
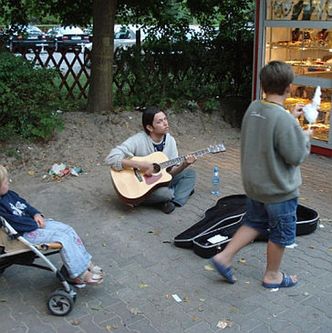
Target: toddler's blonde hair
(3, 174)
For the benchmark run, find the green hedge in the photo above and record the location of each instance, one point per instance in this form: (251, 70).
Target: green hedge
(28, 100)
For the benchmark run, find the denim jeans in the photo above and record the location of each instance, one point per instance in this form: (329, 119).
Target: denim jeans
(75, 257)
(178, 191)
(275, 220)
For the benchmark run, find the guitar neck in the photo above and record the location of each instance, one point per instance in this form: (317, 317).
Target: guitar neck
(177, 160)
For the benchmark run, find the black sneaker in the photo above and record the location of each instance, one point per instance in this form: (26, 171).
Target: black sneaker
(167, 207)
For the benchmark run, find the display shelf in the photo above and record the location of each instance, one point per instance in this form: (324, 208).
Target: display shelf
(306, 44)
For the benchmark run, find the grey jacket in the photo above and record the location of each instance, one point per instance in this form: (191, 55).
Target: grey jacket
(139, 144)
(273, 145)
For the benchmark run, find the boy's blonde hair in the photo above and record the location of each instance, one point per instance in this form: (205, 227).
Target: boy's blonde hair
(3, 174)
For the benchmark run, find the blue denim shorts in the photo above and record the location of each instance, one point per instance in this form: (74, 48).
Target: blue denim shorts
(277, 221)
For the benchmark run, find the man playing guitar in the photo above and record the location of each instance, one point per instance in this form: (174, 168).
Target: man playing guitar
(155, 138)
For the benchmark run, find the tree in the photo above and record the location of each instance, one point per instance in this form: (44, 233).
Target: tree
(168, 16)
(100, 91)
(72, 12)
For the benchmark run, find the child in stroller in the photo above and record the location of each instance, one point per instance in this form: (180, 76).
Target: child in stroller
(23, 222)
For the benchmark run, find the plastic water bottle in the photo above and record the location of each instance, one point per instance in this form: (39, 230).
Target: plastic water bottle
(215, 181)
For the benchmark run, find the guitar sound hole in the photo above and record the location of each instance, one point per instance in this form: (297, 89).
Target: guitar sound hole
(156, 168)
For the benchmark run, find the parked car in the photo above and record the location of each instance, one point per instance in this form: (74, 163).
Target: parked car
(124, 37)
(27, 37)
(89, 31)
(68, 38)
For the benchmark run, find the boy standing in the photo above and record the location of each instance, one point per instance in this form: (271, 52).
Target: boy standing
(273, 145)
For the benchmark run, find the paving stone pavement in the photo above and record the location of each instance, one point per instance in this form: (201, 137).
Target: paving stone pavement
(144, 269)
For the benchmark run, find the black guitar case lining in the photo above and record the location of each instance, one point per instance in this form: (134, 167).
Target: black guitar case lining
(226, 211)
(222, 225)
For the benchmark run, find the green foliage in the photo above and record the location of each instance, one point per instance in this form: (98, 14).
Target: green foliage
(202, 70)
(28, 99)
(219, 63)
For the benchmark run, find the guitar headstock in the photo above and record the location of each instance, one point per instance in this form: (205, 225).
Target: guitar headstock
(217, 148)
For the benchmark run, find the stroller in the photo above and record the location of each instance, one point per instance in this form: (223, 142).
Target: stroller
(16, 250)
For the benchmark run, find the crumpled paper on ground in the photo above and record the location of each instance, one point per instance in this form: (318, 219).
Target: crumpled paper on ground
(61, 170)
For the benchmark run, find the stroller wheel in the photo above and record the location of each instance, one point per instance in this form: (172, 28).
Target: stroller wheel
(60, 303)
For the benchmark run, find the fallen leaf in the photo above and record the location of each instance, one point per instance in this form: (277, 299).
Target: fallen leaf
(233, 309)
(143, 285)
(208, 268)
(195, 318)
(242, 261)
(111, 328)
(31, 173)
(224, 323)
(96, 308)
(75, 322)
(135, 311)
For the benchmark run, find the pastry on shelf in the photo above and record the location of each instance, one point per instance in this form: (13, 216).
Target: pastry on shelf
(290, 102)
(325, 106)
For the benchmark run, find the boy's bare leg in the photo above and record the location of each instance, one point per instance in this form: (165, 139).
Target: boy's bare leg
(274, 256)
(242, 237)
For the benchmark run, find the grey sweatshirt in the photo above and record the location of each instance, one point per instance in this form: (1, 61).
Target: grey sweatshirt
(139, 144)
(273, 145)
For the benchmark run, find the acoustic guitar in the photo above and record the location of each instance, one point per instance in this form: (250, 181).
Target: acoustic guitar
(133, 186)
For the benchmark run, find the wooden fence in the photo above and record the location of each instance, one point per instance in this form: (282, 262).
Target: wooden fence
(74, 75)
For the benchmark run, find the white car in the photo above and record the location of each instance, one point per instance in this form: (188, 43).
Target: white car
(124, 37)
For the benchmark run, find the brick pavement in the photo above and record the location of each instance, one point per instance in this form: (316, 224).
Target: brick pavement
(144, 268)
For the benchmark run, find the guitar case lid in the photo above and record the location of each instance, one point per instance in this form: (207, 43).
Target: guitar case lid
(225, 218)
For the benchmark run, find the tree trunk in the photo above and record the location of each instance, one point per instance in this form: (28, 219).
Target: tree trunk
(100, 91)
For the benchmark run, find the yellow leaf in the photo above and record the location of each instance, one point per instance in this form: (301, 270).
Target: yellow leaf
(208, 268)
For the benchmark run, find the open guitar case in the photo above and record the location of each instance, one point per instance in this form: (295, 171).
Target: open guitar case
(211, 234)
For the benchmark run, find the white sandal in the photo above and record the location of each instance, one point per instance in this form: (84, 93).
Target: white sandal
(88, 278)
(95, 269)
